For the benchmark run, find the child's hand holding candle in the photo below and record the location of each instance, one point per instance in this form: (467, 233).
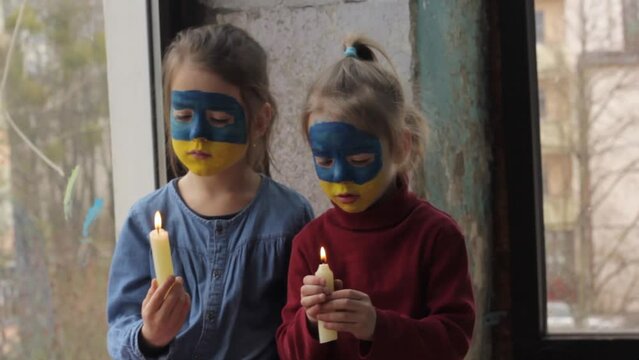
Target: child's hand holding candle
(324, 272)
(164, 311)
(345, 310)
(315, 291)
(167, 303)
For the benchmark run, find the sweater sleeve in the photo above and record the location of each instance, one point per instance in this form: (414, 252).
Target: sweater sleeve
(129, 280)
(294, 340)
(446, 332)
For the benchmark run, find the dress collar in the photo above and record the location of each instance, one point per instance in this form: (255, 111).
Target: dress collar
(387, 212)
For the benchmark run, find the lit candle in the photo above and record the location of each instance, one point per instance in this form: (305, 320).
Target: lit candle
(161, 251)
(323, 271)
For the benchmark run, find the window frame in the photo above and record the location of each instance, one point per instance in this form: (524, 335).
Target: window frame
(142, 30)
(131, 103)
(517, 82)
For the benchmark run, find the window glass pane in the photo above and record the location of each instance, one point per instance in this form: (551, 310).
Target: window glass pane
(56, 213)
(589, 76)
(539, 26)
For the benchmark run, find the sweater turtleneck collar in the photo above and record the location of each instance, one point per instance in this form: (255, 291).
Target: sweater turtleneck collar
(387, 212)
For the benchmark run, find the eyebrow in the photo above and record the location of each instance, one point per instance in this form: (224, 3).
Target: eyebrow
(182, 103)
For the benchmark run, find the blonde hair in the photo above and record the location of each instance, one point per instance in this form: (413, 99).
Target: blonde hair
(369, 95)
(234, 55)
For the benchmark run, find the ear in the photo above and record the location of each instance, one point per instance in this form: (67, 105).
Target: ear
(263, 120)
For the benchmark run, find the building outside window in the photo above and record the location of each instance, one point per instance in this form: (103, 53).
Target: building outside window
(591, 152)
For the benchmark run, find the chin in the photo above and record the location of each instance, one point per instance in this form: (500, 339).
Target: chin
(350, 208)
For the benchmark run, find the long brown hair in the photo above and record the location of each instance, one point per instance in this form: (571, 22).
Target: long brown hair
(234, 55)
(363, 91)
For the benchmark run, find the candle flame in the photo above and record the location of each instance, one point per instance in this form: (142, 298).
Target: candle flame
(323, 255)
(158, 221)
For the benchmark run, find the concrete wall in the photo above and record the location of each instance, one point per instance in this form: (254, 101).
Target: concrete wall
(302, 37)
(437, 47)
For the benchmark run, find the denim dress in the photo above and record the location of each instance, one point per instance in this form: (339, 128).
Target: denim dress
(235, 270)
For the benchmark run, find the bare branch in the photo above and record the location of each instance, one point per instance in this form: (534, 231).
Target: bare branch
(76, 87)
(622, 83)
(31, 145)
(629, 293)
(7, 62)
(614, 134)
(618, 243)
(621, 173)
(621, 266)
(614, 147)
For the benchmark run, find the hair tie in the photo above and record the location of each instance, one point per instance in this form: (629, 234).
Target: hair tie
(351, 52)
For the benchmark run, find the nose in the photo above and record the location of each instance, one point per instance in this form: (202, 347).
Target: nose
(200, 126)
(340, 170)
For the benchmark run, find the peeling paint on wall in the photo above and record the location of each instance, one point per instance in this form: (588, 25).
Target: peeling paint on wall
(453, 82)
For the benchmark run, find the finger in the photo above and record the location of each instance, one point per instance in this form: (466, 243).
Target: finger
(178, 280)
(172, 301)
(149, 294)
(347, 304)
(158, 297)
(339, 285)
(177, 289)
(341, 327)
(308, 290)
(313, 280)
(178, 313)
(338, 317)
(312, 312)
(309, 301)
(349, 294)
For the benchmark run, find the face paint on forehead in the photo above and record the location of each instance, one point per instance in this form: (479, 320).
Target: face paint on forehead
(199, 102)
(337, 141)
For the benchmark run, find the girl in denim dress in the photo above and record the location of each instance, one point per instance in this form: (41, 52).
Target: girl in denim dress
(230, 225)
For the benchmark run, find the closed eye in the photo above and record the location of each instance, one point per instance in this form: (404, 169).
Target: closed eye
(361, 160)
(219, 118)
(183, 115)
(322, 161)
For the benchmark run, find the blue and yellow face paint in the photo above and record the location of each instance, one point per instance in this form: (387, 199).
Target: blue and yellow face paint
(348, 162)
(208, 131)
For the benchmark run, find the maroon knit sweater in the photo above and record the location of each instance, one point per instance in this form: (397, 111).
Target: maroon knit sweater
(410, 258)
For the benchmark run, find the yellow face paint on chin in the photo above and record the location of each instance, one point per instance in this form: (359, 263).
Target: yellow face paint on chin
(206, 158)
(365, 194)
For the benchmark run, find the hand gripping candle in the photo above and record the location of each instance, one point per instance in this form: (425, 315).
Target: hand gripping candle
(161, 251)
(323, 271)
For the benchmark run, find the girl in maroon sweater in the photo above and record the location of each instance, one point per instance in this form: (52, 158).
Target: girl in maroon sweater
(405, 291)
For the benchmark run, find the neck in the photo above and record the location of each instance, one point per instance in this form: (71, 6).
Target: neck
(224, 193)
(238, 178)
(390, 191)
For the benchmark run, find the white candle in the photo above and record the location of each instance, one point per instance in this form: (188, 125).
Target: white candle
(323, 271)
(161, 250)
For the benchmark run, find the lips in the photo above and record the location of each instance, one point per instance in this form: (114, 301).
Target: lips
(347, 198)
(198, 154)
